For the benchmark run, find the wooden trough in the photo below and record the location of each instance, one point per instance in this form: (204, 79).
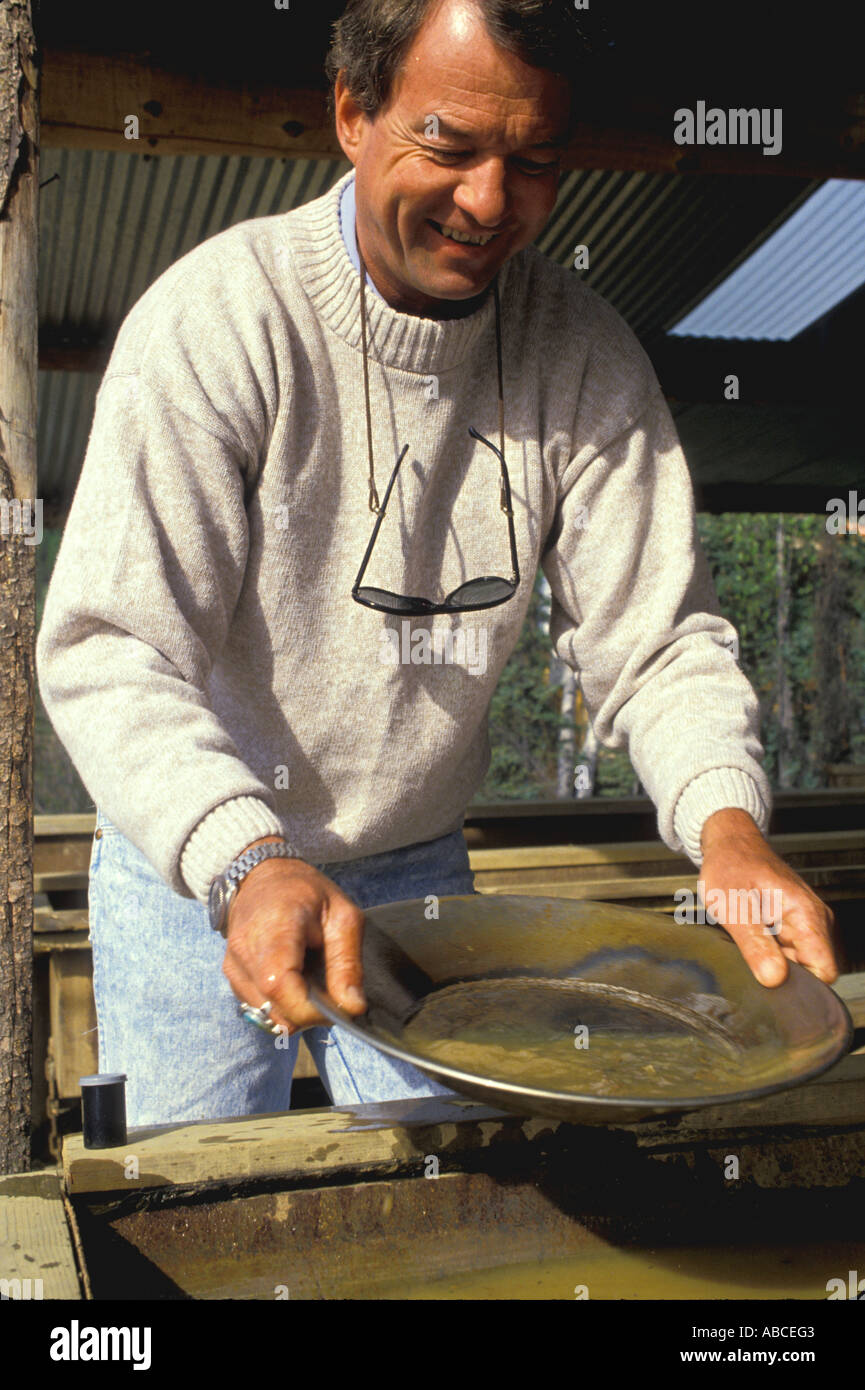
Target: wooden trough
(440, 1198)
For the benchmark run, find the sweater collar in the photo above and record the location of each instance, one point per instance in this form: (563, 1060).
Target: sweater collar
(333, 286)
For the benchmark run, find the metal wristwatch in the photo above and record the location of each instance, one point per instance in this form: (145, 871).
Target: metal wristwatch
(225, 885)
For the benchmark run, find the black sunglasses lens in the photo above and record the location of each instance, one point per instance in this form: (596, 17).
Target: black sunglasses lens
(394, 603)
(487, 591)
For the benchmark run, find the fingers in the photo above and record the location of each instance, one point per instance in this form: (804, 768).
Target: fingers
(773, 916)
(248, 992)
(283, 909)
(762, 953)
(801, 933)
(259, 986)
(806, 937)
(343, 936)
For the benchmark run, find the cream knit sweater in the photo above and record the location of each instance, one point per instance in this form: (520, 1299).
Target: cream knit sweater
(200, 655)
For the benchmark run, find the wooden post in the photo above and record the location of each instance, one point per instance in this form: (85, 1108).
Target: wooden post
(20, 530)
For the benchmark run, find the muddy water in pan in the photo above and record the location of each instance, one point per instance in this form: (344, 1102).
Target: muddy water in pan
(564, 1036)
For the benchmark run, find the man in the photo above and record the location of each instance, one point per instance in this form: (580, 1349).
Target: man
(202, 654)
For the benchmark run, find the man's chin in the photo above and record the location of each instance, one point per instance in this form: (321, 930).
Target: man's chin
(455, 286)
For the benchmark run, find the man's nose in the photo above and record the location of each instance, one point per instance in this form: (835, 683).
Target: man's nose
(482, 193)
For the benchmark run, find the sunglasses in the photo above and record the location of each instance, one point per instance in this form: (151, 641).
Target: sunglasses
(490, 589)
(485, 592)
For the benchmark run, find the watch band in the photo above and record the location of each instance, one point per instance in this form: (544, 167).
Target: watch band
(226, 884)
(241, 866)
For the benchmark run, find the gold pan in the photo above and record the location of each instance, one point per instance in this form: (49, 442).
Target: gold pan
(582, 1011)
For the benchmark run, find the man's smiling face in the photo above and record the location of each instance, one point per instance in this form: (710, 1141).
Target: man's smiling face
(490, 174)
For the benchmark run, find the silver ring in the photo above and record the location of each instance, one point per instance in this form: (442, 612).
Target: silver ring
(260, 1017)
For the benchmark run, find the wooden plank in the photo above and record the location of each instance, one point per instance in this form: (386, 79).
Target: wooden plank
(68, 919)
(59, 880)
(815, 799)
(295, 1144)
(834, 881)
(385, 1137)
(651, 851)
(35, 1243)
(845, 774)
(86, 98)
(80, 823)
(73, 1019)
(46, 943)
(304, 1067)
(576, 856)
(70, 854)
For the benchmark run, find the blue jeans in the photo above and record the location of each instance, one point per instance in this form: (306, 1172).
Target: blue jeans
(167, 1015)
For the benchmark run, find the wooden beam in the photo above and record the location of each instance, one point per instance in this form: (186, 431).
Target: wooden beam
(87, 98)
(581, 860)
(641, 138)
(58, 356)
(36, 1252)
(19, 531)
(799, 499)
(774, 373)
(833, 884)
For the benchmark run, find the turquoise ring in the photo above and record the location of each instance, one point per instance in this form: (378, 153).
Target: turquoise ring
(260, 1017)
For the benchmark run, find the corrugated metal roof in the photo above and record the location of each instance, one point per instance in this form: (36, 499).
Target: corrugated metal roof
(808, 265)
(657, 242)
(110, 223)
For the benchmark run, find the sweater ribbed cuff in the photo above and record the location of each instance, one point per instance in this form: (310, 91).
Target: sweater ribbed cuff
(221, 836)
(718, 790)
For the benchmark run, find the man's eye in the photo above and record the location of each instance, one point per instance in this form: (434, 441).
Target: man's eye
(531, 166)
(445, 154)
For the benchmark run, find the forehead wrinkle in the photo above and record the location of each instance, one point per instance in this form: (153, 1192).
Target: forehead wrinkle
(514, 126)
(497, 83)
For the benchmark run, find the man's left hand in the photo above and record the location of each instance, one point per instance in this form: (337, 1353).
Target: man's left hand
(738, 860)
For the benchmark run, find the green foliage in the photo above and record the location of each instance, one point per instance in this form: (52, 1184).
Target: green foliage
(742, 553)
(524, 717)
(614, 776)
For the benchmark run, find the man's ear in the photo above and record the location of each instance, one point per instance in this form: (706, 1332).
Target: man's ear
(349, 117)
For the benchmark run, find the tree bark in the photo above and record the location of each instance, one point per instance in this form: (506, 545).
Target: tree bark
(20, 530)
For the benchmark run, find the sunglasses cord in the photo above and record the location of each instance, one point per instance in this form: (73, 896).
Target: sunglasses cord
(374, 504)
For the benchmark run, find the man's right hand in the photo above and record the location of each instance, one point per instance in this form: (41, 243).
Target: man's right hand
(282, 908)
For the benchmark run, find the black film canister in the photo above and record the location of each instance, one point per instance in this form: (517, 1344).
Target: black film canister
(103, 1110)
